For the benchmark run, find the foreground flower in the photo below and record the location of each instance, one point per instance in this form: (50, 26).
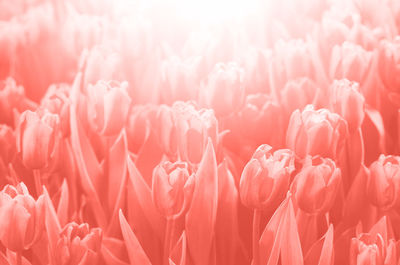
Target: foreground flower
(316, 132)
(172, 188)
(383, 184)
(315, 187)
(265, 178)
(108, 107)
(78, 245)
(36, 137)
(21, 218)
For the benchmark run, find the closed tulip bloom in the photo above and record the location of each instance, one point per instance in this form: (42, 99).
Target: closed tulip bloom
(172, 188)
(108, 107)
(315, 187)
(36, 137)
(77, 244)
(224, 90)
(383, 184)
(22, 218)
(348, 102)
(369, 249)
(316, 132)
(7, 143)
(265, 178)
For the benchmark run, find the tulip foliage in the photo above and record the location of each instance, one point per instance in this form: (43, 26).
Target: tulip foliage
(135, 135)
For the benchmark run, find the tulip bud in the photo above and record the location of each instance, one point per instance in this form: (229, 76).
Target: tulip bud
(350, 61)
(316, 132)
(21, 217)
(7, 143)
(389, 64)
(315, 187)
(172, 188)
(11, 97)
(56, 100)
(37, 137)
(167, 130)
(265, 178)
(383, 185)
(224, 91)
(193, 127)
(108, 107)
(348, 102)
(298, 93)
(77, 244)
(368, 249)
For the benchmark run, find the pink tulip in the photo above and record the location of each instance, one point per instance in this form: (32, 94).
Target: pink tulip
(37, 137)
(316, 186)
(316, 132)
(367, 249)
(172, 188)
(78, 245)
(347, 100)
(108, 106)
(383, 184)
(224, 90)
(265, 178)
(22, 218)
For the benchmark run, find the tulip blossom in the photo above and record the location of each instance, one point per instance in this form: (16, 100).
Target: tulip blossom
(108, 107)
(172, 188)
(78, 245)
(224, 91)
(265, 178)
(316, 132)
(316, 186)
(21, 217)
(37, 137)
(383, 184)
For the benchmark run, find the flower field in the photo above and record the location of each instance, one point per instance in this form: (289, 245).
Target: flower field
(200, 132)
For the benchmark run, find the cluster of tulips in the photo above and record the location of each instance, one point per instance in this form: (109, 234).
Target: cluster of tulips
(128, 136)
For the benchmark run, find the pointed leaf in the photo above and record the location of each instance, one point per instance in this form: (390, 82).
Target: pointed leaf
(135, 251)
(52, 223)
(178, 253)
(200, 219)
(63, 204)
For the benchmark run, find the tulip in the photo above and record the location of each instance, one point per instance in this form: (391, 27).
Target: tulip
(368, 249)
(108, 107)
(350, 61)
(77, 244)
(56, 100)
(172, 188)
(37, 137)
(193, 127)
(348, 102)
(7, 143)
(167, 131)
(315, 187)
(265, 178)
(383, 185)
(316, 132)
(22, 218)
(224, 91)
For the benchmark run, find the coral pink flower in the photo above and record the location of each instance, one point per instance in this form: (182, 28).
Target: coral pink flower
(346, 100)
(78, 245)
(22, 218)
(315, 187)
(224, 91)
(37, 137)
(108, 107)
(265, 178)
(173, 187)
(383, 184)
(316, 132)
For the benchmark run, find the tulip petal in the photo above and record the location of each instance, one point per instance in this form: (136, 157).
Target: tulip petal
(135, 251)
(200, 219)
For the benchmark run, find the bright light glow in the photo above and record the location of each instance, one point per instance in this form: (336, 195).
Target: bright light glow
(204, 12)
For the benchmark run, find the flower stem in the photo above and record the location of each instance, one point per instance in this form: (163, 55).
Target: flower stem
(19, 257)
(38, 182)
(256, 236)
(167, 240)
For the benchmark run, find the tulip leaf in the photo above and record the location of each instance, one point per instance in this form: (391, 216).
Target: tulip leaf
(135, 251)
(63, 204)
(201, 217)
